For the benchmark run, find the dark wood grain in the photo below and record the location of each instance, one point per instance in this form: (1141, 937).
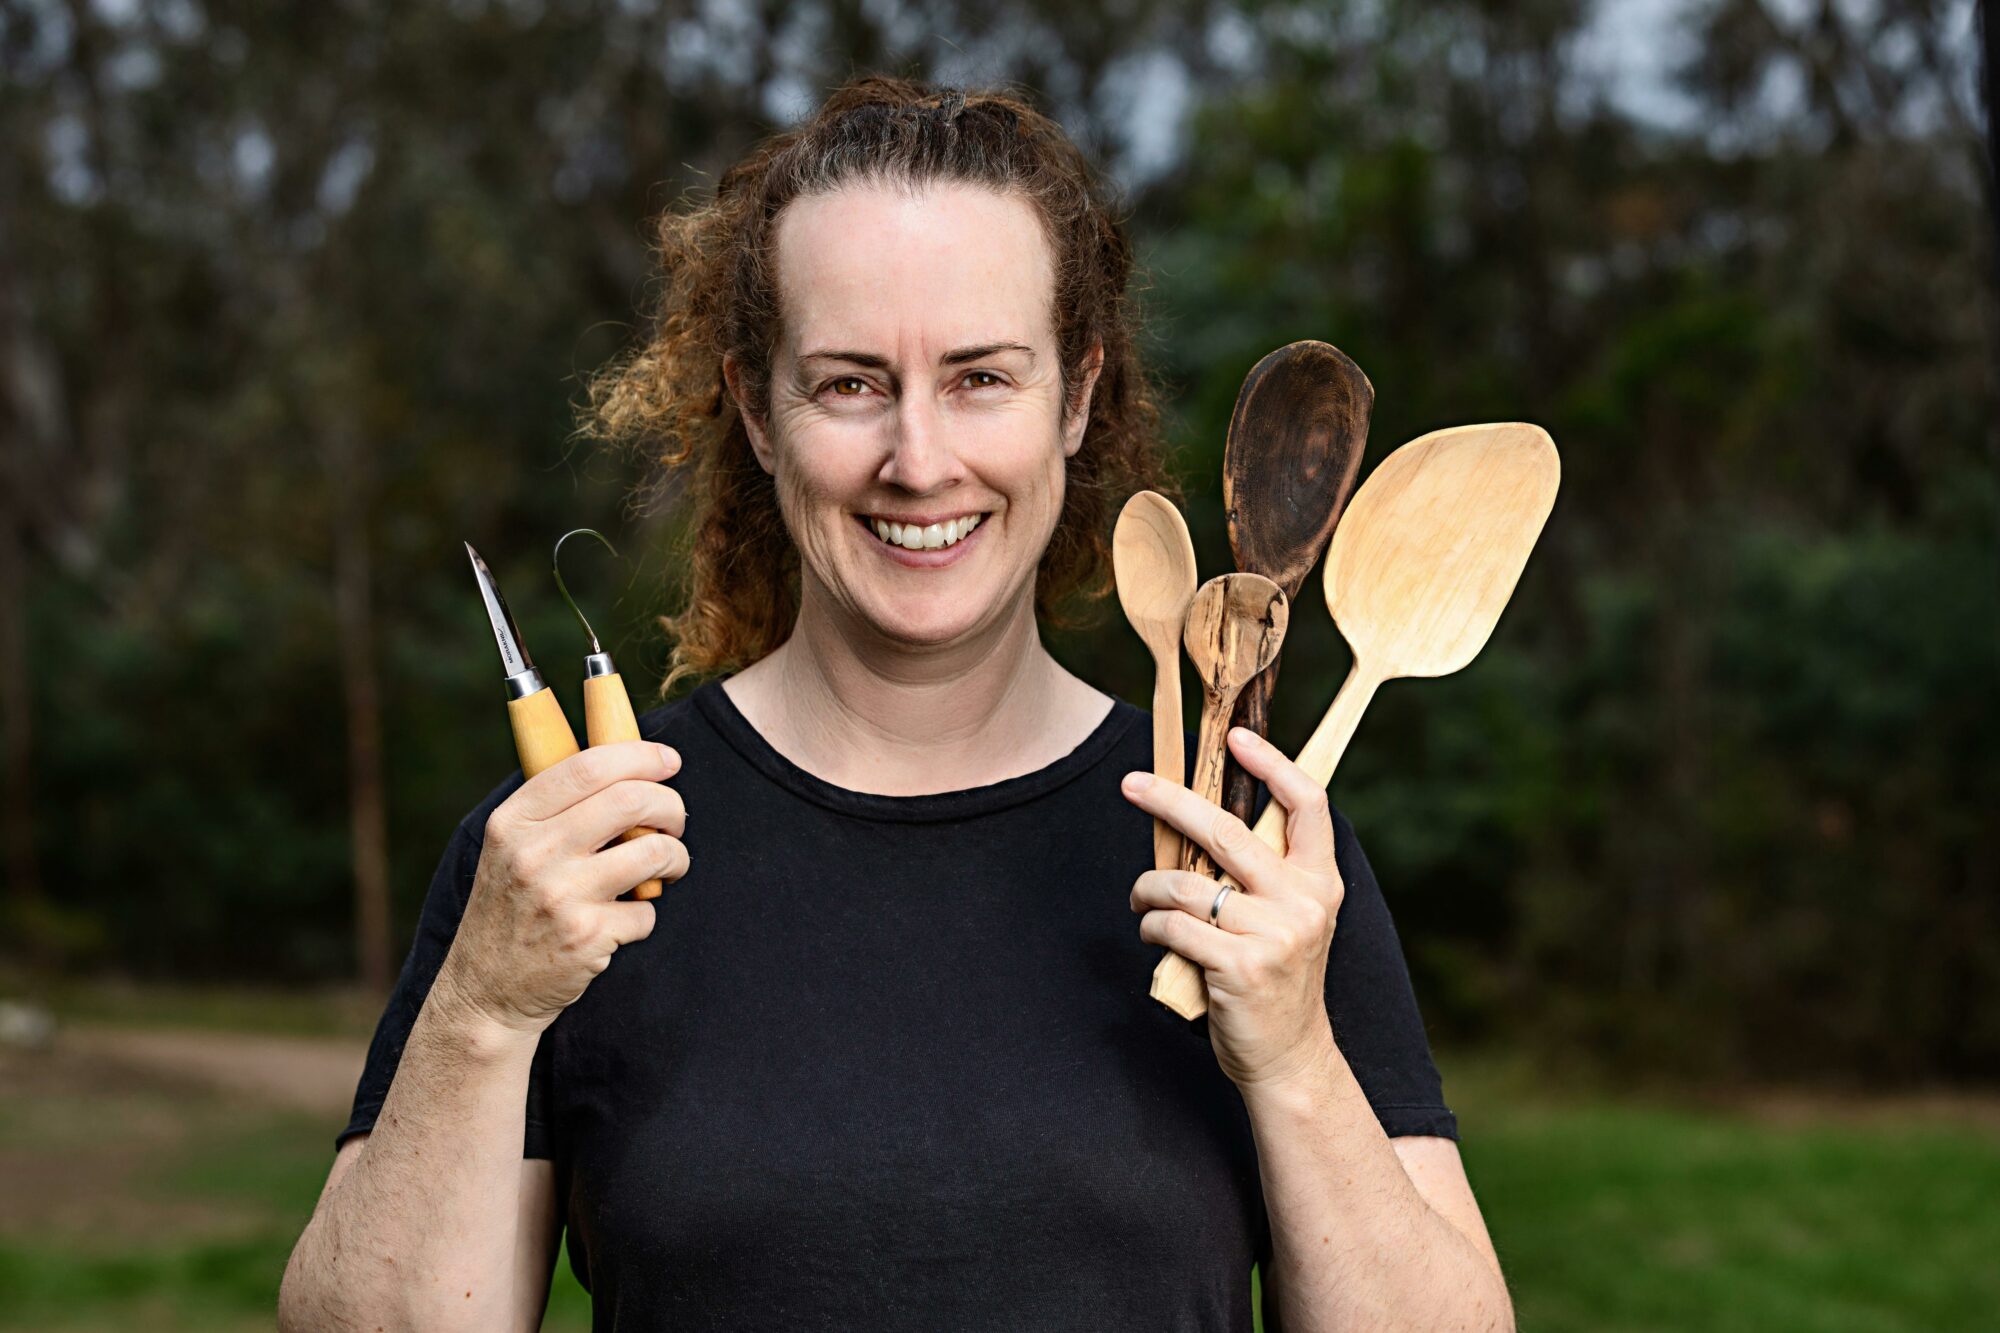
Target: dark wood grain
(1294, 447)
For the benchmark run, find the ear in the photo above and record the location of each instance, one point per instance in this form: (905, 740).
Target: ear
(760, 442)
(1080, 421)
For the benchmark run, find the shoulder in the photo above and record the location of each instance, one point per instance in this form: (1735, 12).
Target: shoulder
(670, 722)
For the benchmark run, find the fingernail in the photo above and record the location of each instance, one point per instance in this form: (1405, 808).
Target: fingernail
(1138, 781)
(1245, 734)
(667, 753)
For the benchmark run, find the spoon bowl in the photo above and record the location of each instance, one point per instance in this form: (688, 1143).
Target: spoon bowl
(1288, 466)
(1152, 559)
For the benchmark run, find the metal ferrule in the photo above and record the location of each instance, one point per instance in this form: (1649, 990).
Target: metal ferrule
(523, 684)
(598, 664)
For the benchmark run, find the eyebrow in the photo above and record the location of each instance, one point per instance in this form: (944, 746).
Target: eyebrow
(956, 357)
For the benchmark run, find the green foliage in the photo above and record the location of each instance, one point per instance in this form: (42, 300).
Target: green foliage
(1716, 798)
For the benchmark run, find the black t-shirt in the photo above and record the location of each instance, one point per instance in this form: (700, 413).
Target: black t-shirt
(890, 1062)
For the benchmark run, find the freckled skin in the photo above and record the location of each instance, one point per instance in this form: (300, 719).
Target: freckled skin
(909, 278)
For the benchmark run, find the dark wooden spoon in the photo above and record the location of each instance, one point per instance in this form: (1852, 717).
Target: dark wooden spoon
(1288, 468)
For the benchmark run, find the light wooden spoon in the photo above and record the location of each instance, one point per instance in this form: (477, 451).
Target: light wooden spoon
(1235, 626)
(1421, 566)
(1152, 558)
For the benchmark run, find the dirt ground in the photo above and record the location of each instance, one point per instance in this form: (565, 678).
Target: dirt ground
(311, 1074)
(85, 1123)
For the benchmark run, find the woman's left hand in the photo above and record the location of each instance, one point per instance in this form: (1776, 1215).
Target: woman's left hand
(1265, 958)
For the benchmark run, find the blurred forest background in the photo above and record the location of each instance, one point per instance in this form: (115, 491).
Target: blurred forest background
(295, 299)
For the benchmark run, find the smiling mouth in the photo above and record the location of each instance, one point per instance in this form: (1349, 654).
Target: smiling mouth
(928, 537)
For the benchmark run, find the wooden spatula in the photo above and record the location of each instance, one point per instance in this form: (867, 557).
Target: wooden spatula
(1422, 565)
(1425, 560)
(1288, 466)
(1152, 558)
(1235, 626)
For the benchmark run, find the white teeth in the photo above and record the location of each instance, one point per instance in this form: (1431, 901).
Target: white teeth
(930, 537)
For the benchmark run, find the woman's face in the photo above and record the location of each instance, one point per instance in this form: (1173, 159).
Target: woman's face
(915, 433)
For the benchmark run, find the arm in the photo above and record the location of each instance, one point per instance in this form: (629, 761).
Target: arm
(434, 1220)
(1363, 1235)
(538, 1230)
(437, 1222)
(1366, 1231)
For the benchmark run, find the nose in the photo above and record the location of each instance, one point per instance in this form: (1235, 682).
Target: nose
(921, 457)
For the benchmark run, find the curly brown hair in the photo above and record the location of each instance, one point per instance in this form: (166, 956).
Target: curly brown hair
(667, 401)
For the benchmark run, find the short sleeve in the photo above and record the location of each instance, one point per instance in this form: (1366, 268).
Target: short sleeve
(437, 925)
(1372, 1004)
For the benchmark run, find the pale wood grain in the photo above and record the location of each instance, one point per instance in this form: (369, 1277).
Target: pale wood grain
(1421, 566)
(1152, 558)
(607, 719)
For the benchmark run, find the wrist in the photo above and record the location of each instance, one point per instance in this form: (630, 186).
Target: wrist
(1299, 1082)
(466, 1027)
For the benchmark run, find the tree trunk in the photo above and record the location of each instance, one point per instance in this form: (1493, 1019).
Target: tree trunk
(347, 458)
(27, 419)
(17, 814)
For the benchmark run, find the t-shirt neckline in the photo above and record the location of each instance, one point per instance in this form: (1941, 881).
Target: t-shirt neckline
(728, 720)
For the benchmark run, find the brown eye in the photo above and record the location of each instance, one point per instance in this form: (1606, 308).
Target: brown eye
(844, 379)
(987, 373)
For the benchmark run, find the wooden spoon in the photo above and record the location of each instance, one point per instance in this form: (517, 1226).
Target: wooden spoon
(1152, 558)
(1421, 567)
(1235, 626)
(1288, 466)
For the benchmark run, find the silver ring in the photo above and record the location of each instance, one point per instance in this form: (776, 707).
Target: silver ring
(1216, 906)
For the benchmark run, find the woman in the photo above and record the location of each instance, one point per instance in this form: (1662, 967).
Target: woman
(883, 1054)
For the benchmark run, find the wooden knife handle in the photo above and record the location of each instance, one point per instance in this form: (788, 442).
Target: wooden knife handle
(607, 719)
(542, 737)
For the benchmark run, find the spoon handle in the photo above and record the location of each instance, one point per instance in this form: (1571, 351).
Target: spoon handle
(1178, 983)
(1169, 749)
(1326, 745)
(1211, 749)
(1252, 711)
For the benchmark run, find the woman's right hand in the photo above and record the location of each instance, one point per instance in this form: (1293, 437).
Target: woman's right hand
(543, 917)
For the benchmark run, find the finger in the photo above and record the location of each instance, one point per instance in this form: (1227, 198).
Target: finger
(1308, 816)
(1192, 938)
(587, 772)
(632, 803)
(630, 921)
(1227, 838)
(1240, 914)
(626, 865)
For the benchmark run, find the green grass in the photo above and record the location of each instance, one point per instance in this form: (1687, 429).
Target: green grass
(1620, 1217)
(1611, 1213)
(204, 1226)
